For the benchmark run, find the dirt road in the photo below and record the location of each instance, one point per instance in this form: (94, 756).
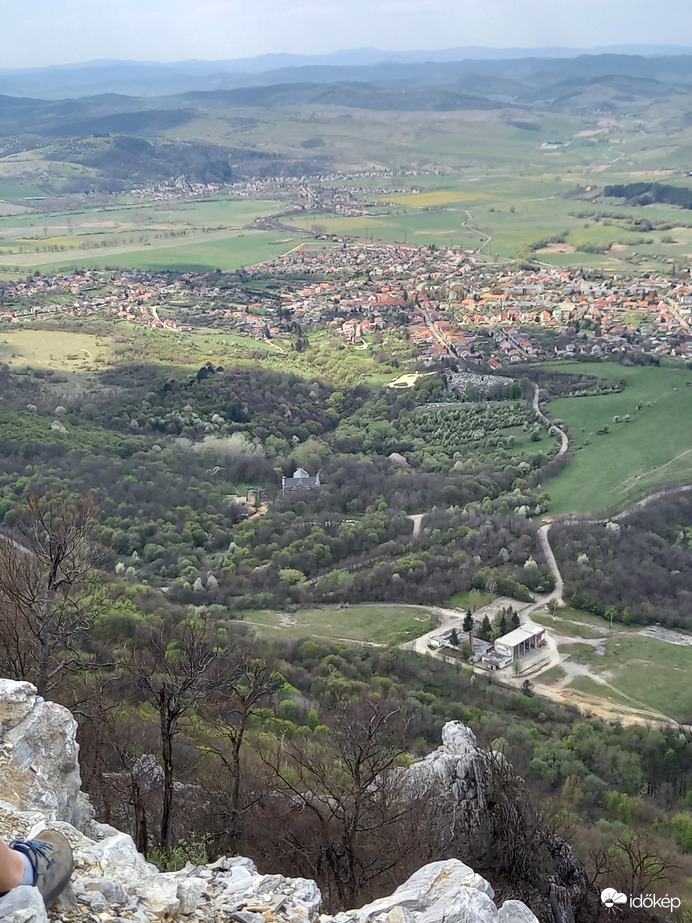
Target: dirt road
(548, 422)
(417, 520)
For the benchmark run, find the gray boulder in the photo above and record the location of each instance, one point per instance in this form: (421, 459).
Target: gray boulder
(23, 905)
(39, 767)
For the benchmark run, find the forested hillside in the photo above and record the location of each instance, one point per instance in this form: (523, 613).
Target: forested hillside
(640, 568)
(164, 480)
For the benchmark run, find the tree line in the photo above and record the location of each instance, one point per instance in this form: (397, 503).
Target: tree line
(202, 740)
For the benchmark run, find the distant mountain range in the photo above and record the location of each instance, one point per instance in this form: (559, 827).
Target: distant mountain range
(604, 84)
(140, 78)
(104, 141)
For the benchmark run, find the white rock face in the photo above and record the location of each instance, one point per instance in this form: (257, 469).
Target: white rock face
(439, 883)
(39, 768)
(39, 786)
(23, 905)
(515, 912)
(455, 768)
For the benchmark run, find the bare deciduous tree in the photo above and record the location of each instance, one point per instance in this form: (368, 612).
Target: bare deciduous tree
(176, 674)
(48, 597)
(643, 863)
(336, 815)
(245, 689)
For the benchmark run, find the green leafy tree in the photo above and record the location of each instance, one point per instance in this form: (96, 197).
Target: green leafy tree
(499, 625)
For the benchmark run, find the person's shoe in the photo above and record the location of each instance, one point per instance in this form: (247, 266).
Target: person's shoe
(50, 857)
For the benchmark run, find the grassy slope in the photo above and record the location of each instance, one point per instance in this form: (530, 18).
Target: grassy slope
(654, 673)
(375, 624)
(633, 458)
(58, 350)
(79, 355)
(657, 672)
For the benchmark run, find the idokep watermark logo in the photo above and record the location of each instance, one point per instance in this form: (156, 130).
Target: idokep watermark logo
(612, 898)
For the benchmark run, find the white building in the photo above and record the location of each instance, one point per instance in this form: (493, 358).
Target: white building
(520, 642)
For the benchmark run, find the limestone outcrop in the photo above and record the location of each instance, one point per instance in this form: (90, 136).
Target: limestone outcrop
(456, 768)
(39, 769)
(39, 785)
(482, 802)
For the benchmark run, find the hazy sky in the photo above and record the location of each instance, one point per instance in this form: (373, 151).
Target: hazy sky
(39, 32)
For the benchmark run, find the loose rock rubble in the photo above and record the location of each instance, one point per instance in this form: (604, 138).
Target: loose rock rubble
(40, 784)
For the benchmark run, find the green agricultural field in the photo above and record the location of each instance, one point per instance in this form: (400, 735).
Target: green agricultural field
(502, 214)
(224, 250)
(632, 459)
(502, 183)
(379, 624)
(18, 192)
(183, 235)
(506, 191)
(224, 212)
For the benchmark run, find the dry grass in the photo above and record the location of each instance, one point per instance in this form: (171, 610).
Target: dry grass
(437, 198)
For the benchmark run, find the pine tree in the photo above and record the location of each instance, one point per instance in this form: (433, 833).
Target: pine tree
(469, 626)
(454, 638)
(485, 629)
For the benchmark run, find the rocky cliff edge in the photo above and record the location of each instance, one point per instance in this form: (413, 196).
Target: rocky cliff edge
(40, 785)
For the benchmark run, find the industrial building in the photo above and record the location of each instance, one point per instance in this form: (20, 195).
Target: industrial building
(522, 641)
